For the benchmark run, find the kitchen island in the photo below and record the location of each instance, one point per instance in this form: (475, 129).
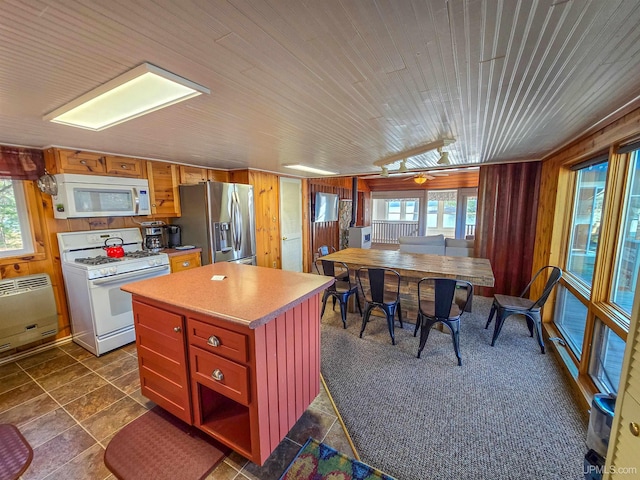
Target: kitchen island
(232, 349)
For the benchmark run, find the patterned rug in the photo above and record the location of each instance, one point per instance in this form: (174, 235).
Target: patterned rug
(317, 461)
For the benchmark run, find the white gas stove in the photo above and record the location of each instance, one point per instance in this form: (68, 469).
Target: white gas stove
(101, 313)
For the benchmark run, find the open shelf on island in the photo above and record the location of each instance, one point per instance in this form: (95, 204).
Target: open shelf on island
(225, 419)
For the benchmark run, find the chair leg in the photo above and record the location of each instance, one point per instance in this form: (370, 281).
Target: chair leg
(365, 317)
(400, 315)
(334, 304)
(529, 325)
(343, 313)
(499, 323)
(390, 313)
(358, 303)
(491, 313)
(455, 337)
(418, 320)
(538, 325)
(324, 303)
(424, 335)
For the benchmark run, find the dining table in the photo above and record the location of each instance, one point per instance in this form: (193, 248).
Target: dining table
(414, 266)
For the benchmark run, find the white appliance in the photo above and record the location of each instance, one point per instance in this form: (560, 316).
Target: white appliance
(360, 237)
(101, 313)
(98, 196)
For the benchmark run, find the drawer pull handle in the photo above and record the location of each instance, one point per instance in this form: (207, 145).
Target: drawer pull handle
(185, 264)
(635, 429)
(213, 341)
(177, 329)
(217, 375)
(83, 162)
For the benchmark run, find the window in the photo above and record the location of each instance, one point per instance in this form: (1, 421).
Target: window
(571, 318)
(606, 358)
(441, 212)
(626, 268)
(396, 209)
(585, 224)
(15, 233)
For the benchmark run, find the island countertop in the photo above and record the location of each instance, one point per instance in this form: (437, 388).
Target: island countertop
(248, 295)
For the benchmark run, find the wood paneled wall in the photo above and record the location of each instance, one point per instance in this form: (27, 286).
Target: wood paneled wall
(266, 187)
(466, 179)
(506, 226)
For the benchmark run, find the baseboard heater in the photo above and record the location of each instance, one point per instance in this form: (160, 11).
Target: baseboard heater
(27, 310)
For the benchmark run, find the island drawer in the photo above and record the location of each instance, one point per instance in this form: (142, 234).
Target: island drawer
(217, 340)
(219, 374)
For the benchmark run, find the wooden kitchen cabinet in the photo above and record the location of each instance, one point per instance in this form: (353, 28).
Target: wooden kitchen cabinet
(184, 261)
(123, 166)
(162, 358)
(192, 175)
(75, 161)
(163, 189)
(60, 160)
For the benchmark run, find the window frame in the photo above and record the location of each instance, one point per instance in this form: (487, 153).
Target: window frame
(596, 297)
(33, 204)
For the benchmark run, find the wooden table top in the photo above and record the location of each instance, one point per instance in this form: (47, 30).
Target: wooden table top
(477, 271)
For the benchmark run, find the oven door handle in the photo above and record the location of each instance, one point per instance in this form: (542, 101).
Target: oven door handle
(127, 276)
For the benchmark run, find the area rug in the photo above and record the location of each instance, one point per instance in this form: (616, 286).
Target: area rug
(317, 461)
(159, 446)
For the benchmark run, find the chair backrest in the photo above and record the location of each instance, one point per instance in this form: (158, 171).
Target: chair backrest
(554, 277)
(328, 268)
(444, 292)
(324, 250)
(379, 281)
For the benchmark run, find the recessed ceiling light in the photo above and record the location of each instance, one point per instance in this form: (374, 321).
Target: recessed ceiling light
(304, 168)
(139, 91)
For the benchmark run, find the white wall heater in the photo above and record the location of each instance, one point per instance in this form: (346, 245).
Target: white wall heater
(27, 310)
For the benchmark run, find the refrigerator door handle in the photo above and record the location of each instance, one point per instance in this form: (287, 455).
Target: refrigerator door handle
(237, 222)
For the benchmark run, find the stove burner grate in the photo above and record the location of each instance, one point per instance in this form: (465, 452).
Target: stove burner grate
(140, 254)
(99, 260)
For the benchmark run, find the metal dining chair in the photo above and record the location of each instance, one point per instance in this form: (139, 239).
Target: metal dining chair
(324, 250)
(437, 303)
(340, 290)
(381, 289)
(506, 305)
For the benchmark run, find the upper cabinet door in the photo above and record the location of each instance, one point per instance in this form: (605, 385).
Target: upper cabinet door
(74, 161)
(123, 166)
(191, 175)
(163, 187)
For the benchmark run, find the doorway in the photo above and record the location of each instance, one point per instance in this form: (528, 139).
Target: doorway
(291, 223)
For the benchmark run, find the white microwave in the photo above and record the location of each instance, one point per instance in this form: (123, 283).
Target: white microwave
(98, 196)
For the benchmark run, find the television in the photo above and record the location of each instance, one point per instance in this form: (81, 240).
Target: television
(325, 207)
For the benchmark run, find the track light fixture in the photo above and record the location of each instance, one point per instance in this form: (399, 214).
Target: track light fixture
(403, 166)
(444, 157)
(385, 172)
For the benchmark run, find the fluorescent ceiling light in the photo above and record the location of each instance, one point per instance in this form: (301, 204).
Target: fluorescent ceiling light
(304, 168)
(137, 92)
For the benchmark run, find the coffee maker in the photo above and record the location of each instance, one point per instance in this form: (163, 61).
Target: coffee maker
(153, 239)
(173, 236)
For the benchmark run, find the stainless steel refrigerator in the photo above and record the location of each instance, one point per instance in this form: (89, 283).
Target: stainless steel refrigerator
(219, 218)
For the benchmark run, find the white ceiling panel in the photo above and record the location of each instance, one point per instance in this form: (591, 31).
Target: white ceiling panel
(338, 84)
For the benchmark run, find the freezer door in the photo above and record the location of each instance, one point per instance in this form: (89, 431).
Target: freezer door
(233, 222)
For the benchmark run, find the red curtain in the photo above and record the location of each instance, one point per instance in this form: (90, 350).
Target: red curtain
(506, 227)
(21, 163)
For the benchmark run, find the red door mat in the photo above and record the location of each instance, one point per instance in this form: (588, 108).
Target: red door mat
(158, 446)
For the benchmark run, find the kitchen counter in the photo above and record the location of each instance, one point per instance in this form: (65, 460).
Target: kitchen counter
(172, 252)
(239, 358)
(249, 296)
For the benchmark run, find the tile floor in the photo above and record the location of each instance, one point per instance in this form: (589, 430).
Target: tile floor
(69, 404)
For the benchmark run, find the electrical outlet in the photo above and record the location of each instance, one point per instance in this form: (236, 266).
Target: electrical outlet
(274, 264)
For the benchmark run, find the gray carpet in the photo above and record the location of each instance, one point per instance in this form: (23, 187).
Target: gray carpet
(507, 413)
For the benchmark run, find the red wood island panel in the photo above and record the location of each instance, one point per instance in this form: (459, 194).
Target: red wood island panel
(243, 375)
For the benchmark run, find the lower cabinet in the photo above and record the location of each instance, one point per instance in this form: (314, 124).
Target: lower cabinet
(185, 261)
(244, 387)
(162, 359)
